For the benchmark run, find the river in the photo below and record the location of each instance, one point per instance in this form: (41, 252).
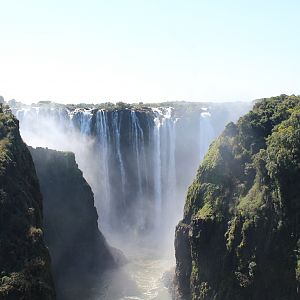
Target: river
(145, 277)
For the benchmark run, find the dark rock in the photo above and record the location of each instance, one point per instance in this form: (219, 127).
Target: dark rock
(24, 259)
(79, 252)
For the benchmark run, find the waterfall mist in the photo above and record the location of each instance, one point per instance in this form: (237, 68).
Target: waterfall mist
(139, 163)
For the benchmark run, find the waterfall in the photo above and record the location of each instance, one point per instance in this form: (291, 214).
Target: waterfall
(117, 119)
(138, 162)
(138, 143)
(157, 169)
(139, 148)
(171, 127)
(103, 147)
(206, 132)
(164, 133)
(85, 119)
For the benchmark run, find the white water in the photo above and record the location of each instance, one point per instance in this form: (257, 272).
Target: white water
(142, 278)
(60, 129)
(206, 131)
(116, 128)
(137, 141)
(103, 146)
(171, 170)
(85, 118)
(157, 170)
(169, 210)
(138, 144)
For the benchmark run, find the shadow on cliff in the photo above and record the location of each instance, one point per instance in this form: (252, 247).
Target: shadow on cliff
(79, 251)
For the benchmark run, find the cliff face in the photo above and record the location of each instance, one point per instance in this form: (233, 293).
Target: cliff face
(78, 250)
(24, 259)
(240, 236)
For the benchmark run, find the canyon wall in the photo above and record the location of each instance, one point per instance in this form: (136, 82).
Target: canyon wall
(24, 259)
(78, 249)
(240, 235)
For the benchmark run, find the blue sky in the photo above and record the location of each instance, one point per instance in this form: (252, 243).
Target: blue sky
(154, 50)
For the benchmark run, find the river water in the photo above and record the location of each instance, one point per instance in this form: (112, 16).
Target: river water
(146, 276)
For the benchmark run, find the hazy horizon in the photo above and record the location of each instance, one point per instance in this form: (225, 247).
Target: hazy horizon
(29, 102)
(149, 51)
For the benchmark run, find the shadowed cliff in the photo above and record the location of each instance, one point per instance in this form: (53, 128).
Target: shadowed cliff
(78, 249)
(240, 235)
(24, 259)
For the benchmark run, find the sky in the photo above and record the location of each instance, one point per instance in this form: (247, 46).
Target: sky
(93, 51)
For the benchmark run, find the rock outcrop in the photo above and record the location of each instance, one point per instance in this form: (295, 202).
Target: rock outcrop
(240, 235)
(78, 249)
(24, 259)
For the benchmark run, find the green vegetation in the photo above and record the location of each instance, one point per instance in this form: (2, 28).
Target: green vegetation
(180, 108)
(24, 259)
(244, 208)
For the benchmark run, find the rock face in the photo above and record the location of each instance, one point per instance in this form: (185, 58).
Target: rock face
(24, 259)
(240, 236)
(78, 250)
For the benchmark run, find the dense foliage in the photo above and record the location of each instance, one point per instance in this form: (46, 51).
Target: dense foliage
(240, 236)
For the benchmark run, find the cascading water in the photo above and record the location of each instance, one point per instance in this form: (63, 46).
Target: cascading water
(84, 120)
(157, 169)
(103, 142)
(117, 118)
(139, 163)
(171, 169)
(164, 140)
(206, 132)
(138, 144)
(132, 159)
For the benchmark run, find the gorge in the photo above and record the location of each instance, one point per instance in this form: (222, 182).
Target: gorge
(126, 152)
(149, 150)
(139, 161)
(239, 236)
